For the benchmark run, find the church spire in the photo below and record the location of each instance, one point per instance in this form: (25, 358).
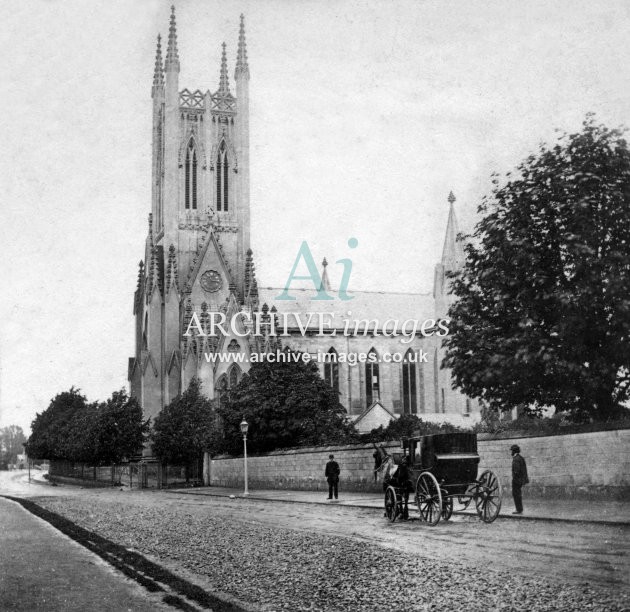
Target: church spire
(137, 297)
(172, 56)
(452, 253)
(242, 67)
(251, 285)
(249, 271)
(158, 72)
(325, 286)
(224, 83)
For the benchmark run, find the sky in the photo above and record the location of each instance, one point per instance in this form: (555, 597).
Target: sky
(364, 115)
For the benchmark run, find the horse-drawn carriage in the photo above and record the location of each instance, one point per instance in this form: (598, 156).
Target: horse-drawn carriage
(439, 469)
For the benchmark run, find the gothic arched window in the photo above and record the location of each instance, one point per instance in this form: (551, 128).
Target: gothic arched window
(331, 369)
(235, 375)
(221, 388)
(223, 166)
(145, 344)
(372, 380)
(436, 380)
(190, 195)
(159, 172)
(410, 398)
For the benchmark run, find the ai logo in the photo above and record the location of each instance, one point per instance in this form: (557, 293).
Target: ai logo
(313, 274)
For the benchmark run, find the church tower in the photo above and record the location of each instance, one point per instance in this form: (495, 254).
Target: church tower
(447, 399)
(197, 253)
(197, 273)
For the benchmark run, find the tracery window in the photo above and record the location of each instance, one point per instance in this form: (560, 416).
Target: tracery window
(410, 396)
(159, 175)
(221, 388)
(436, 380)
(223, 165)
(372, 380)
(235, 375)
(190, 196)
(145, 331)
(331, 369)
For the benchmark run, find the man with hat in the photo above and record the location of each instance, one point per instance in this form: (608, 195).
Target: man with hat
(332, 476)
(519, 478)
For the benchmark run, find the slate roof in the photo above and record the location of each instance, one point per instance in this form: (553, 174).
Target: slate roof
(379, 305)
(373, 406)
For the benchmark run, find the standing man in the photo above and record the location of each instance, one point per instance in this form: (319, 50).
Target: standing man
(519, 478)
(332, 476)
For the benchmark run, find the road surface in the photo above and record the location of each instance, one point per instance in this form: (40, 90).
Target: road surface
(577, 554)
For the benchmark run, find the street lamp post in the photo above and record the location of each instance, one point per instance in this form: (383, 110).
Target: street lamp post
(244, 428)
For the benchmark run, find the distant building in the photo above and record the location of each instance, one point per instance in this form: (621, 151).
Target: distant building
(198, 263)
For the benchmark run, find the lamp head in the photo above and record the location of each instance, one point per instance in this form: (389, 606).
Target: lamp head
(244, 426)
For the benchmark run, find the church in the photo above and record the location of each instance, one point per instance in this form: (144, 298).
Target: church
(198, 265)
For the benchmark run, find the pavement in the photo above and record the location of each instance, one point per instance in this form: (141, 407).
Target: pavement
(566, 510)
(43, 570)
(602, 511)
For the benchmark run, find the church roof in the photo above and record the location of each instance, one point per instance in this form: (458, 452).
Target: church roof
(380, 305)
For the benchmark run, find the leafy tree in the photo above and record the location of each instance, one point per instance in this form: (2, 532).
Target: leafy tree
(285, 404)
(12, 441)
(182, 430)
(408, 426)
(77, 442)
(74, 430)
(56, 433)
(543, 314)
(119, 430)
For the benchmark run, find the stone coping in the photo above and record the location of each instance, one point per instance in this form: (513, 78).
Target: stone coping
(515, 435)
(310, 450)
(481, 437)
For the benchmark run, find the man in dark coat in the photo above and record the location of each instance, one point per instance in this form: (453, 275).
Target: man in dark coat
(519, 478)
(332, 476)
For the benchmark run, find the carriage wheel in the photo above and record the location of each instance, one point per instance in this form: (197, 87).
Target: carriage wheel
(488, 497)
(391, 504)
(429, 498)
(447, 508)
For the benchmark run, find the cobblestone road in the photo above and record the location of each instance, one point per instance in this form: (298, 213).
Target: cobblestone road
(306, 557)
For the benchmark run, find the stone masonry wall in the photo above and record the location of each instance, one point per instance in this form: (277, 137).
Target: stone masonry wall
(589, 465)
(301, 469)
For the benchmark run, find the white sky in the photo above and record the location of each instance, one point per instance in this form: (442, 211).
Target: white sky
(364, 116)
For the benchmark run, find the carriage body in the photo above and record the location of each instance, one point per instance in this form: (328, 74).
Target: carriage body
(443, 470)
(452, 458)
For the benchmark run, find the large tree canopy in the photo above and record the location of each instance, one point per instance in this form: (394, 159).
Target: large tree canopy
(120, 430)
(286, 404)
(543, 310)
(56, 432)
(97, 433)
(182, 431)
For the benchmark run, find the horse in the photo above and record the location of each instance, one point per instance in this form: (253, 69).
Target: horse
(387, 468)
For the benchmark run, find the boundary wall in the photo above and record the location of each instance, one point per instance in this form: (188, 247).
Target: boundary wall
(592, 465)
